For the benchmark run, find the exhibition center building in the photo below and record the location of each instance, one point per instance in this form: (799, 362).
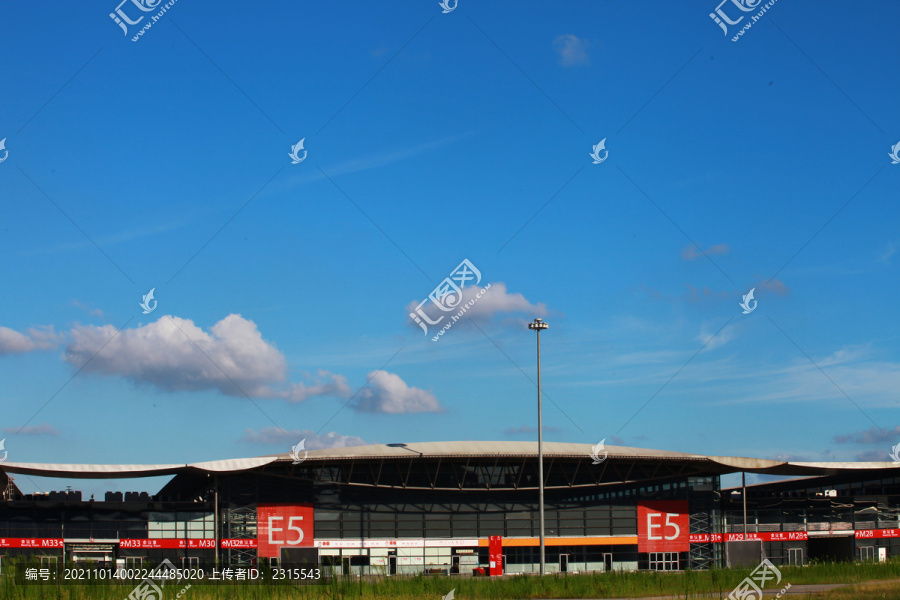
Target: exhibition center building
(458, 508)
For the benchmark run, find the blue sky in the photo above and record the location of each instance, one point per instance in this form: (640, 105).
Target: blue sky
(284, 290)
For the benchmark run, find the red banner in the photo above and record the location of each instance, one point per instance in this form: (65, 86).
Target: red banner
(168, 544)
(239, 543)
(31, 543)
(663, 526)
(765, 536)
(876, 534)
(279, 525)
(495, 554)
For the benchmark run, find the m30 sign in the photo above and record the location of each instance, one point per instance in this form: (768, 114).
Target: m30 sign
(283, 526)
(663, 526)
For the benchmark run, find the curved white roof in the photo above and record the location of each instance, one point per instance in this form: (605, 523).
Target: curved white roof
(75, 471)
(467, 449)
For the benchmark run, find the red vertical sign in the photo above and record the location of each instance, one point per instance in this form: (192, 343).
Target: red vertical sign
(495, 554)
(663, 526)
(279, 525)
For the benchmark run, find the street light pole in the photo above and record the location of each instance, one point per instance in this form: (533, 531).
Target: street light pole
(537, 325)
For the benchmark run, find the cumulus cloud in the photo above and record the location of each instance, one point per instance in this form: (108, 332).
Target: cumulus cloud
(290, 437)
(36, 338)
(42, 429)
(693, 252)
(387, 393)
(572, 50)
(326, 384)
(494, 301)
(173, 354)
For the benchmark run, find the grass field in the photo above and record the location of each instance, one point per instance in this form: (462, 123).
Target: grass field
(634, 585)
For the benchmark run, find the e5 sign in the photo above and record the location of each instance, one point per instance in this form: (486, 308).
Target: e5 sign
(283, 525)
(663, 526)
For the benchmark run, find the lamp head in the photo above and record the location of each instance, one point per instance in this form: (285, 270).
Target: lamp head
(538, 324)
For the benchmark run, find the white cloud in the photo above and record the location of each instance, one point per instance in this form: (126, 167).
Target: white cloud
(287, 438)
(174, 354)
(42, 429)
(388, 393)
(572, 50)
(232, 358)
(494, 301)
(327, 384)
(36, 338)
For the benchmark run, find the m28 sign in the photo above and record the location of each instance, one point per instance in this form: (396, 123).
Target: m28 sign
(283, 526)
(663, 526)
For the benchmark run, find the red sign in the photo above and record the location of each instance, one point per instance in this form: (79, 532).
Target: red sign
(495, 554)
(663, 526)
(239, 543)
(168, 544)
(766, 536)
(784, 536)
(279, 525)
(877, 534)
(31, 543)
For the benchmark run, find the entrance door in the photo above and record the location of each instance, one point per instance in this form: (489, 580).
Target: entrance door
(392, 564)
(563, 563)
(831, 548)
(607, 561)
(454, 564)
